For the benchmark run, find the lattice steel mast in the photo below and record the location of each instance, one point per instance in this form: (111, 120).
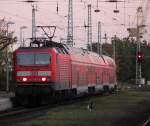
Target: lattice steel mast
(70, 24)
(89, 35)
(33, 22)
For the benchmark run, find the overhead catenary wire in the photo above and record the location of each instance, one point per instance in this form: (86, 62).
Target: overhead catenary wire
(104, 12)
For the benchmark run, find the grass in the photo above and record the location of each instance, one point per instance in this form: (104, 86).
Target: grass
(110, 110)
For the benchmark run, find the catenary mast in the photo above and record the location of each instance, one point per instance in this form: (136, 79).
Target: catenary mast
(70, 24)
(89, 35)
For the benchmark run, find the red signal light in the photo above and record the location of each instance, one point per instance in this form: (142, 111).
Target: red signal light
(140, 56)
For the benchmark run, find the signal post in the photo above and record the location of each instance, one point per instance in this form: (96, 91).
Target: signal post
(139, 59)
(139, 53)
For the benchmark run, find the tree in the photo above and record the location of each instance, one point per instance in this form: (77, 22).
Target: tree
(125, 57)
(6, 39)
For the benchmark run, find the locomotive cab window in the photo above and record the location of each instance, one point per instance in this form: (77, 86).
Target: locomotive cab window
(33, 59)
(25, 59)
(42, 59)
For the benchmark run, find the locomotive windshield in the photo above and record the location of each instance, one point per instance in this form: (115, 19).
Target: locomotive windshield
(33, 59)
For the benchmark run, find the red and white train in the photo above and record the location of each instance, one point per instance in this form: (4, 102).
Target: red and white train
(57, 70)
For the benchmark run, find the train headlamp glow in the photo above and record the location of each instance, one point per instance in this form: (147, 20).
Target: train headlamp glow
(24, 79)
(43, 79)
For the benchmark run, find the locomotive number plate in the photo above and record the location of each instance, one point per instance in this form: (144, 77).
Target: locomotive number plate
(34, 73)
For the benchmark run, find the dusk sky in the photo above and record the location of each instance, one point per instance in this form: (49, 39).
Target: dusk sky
(20, 13)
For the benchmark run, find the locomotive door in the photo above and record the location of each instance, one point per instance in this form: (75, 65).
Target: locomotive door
(78, 81)
(105, 76)
(98, 77)
(102, 77)
(74, 76)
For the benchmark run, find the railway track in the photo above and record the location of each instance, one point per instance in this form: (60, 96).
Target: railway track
(15, 115)
(147, 123)
(10, 111)
(19, 114)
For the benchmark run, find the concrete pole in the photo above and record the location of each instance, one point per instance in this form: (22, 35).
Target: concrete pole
(7, 58)
(21, 35)
(114, 48)
(99, 39)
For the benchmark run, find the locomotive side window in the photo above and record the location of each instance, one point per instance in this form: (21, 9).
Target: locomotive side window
(33, 59)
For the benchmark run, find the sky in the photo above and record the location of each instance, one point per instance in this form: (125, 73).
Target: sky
(112, 24)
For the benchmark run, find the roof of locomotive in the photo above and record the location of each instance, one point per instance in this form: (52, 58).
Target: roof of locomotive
(77, 54)
(45, 45)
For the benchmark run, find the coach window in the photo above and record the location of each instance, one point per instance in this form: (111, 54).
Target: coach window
(66, 52)
(58, 50)
(63, 51)
(103, 59)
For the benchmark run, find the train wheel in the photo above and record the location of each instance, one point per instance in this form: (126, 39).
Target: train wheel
(115, 89)
(106, 89)
(91, 90)
(32, 101)
(58, 96)
(73, 93)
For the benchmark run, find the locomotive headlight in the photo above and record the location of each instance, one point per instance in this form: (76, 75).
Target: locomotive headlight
(24, 79)
(43, 79)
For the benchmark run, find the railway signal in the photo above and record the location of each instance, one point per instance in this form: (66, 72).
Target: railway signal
(140, 57)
